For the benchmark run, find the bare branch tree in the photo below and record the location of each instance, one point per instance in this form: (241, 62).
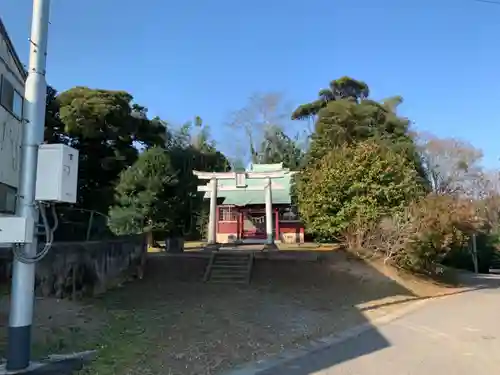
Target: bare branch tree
(453, 166)
(263, 112)
(487, 193)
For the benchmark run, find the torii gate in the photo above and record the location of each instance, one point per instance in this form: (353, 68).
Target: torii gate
(240, 178)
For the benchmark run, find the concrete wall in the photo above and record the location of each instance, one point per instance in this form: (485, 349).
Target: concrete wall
(10, 126)
(74, 269)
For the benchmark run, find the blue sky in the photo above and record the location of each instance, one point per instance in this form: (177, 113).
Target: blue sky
(187, 58)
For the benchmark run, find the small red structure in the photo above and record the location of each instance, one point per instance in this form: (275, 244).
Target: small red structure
(248, 223)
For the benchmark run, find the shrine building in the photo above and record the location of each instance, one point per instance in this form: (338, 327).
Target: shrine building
(252, 206)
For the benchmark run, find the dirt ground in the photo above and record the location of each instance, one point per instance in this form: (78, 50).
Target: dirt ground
(172, 323)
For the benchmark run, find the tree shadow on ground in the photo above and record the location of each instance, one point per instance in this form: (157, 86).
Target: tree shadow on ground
(329, 356)
(364, 339)
(197, 328)
(171, 322)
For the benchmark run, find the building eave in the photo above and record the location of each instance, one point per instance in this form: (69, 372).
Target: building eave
(12, 50)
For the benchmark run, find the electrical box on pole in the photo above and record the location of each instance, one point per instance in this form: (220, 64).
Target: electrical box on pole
(16, 230)
(56, 182)
(57, 174)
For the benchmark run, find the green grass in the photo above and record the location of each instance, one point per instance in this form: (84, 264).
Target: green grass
(121, 346)
(120, 341)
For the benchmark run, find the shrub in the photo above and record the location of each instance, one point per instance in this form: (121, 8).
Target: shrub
(361, 182)
(421, 236)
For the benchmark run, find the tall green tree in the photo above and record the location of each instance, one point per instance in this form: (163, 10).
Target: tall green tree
(344, 88)
(54, 127)
(345, 121)
(107, 128)
(354, 142)
(147, 196)
(278, 147)
(193, 149)
(111, 132)
(345, 115)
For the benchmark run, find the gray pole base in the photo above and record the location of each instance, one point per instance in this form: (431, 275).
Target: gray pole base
(18, 348)
(54, 365)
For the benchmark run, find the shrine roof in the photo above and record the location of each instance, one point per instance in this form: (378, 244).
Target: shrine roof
(248, 196)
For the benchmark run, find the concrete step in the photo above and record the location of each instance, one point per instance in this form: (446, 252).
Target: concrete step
(229, 268)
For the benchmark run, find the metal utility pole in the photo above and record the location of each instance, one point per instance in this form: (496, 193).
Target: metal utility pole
(23, 277)
(474, 254)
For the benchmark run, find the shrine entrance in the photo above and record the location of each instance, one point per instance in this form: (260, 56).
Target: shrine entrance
(254, 224)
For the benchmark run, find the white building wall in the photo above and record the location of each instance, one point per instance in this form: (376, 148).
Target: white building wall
(10, 126)
(12, 77)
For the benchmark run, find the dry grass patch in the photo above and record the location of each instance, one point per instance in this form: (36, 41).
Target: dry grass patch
(309, 246)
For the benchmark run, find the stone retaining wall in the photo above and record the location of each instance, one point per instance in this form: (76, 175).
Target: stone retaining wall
(74, 269)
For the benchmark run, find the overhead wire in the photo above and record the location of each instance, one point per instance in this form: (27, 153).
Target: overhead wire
(488, 2)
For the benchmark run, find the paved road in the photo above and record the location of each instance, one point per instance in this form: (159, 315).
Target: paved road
(456, 335)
